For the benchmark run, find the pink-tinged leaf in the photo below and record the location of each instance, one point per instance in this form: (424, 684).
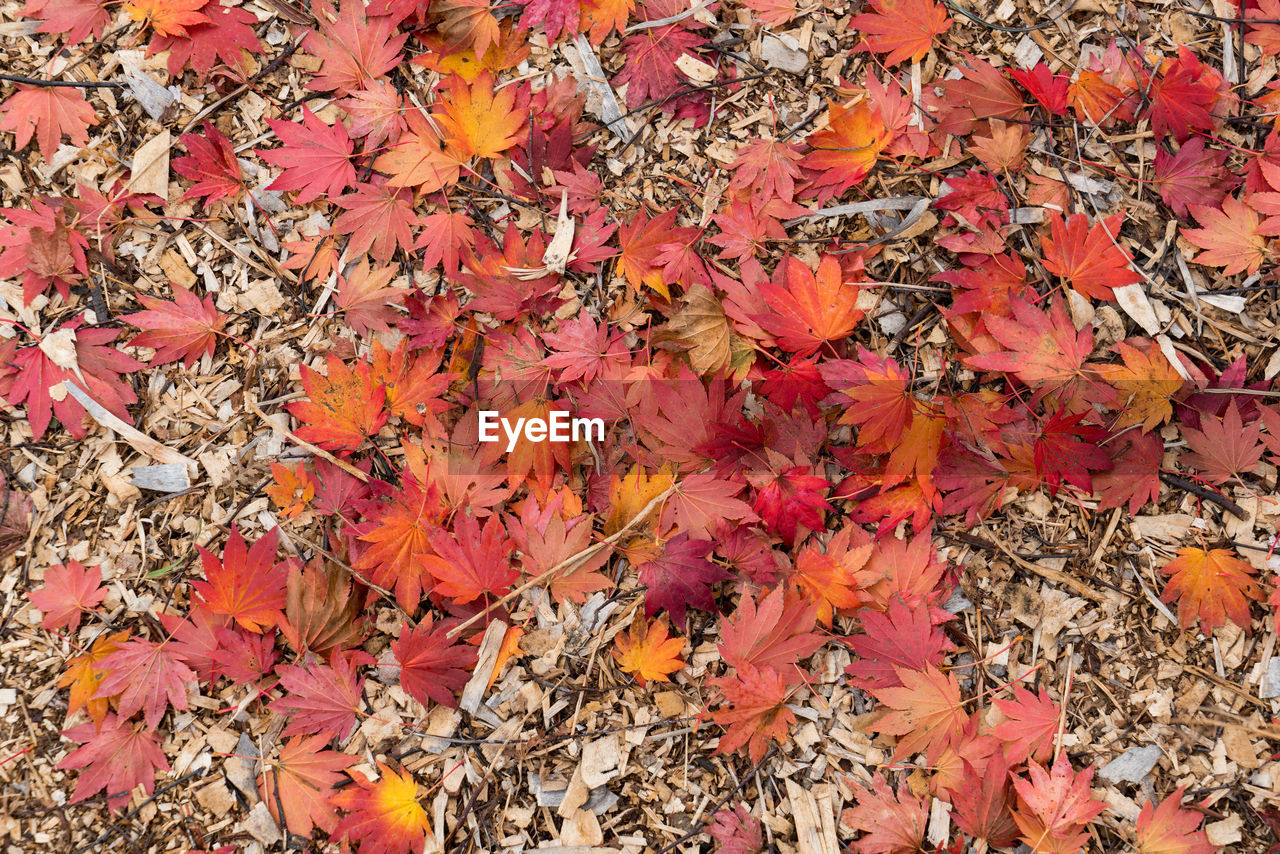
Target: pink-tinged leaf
(147, 676)
(650, 70)
(378, 218)
(1030, 726)
(186, 328)
(49, 113)
(356, 49)
(701, 501)
(322, 699)
(226, 31)
(1192, 175)
(1234, 238)
(1170, 829)
(301, 780)
(432, 664)
(556, 16)
(116, 757)
(890, 823)
(76, 19)
(903, 637)
(316, 158)
(212, 164)
(67, 593)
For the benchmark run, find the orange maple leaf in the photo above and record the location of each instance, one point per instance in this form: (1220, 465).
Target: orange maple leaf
(1212, 585)
(84, 677)
(1234, 238)
(756, 712)
(399, 541)
(831, 578)
(928, 713)
(385, 816)
(345, 406)
(420, 159)
(904, 29)
(292, 489)
(847, 148)
(809, 310)
(476, 120)
(1054, 806)
(168, 17)
(1145, 385)
(246, 584)
(1170, 829)
(647, 651)
(301, 781)
(467, 24)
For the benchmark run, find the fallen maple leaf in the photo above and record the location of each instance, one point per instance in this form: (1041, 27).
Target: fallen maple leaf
(790, 500)
(1192, 175)
(737, 831)
(830, 576)
(186, 328)
(246, 584)
(768, 168)
(115, 758)
(378, 218)
(777, 634)
(432, 665)
(212, 164)
(300, 781)
(49, 113)
(84, 674)
(384, 816)
(316, 157)
(398, 534)
(322, 699)
(167, 17)
(641, 239)
(647, 652)
(1234, 238)
(345, 406)
(927, 712)
(320, 614)
(679, 577)
(1030, 726)
(1135, 475)
(1182, 96)
(367, 298)
(69, 590)
(43, 248)
(1044, 350)
(1145, 385)
(901, 639)
(226, 31)
(1054, 807)
(1170, 829)
(476, 120)
(808, 310)
(471, 562)
(356, 49)
(1089, 259)
(1210, 585)
(982, 802)
(1224, 447)
(904, 29)
(147, 676)
(75, 19)
(845, 151)
(754, 710)
(650, 71)
(890, 823)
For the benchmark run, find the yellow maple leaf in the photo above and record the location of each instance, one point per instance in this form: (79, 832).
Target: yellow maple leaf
(84, 679)
(1145, 385)
(648, 652)
(477, 121)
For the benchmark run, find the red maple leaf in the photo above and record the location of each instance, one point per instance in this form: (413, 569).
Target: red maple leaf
(890, 823)
(49, 113)
(1182, 96)
(1066, 449)
(385, 816)
(1170, 829)
(755, 710)
(1030, 726)
(982, 802)
(641, 241)
(378, 218)
(902, 637)
(545, 539)
(1054, 806)
(1135, 474)
(776, 634)
(246, 584)
(1192, 175)
(356, 49)
(345, 406)
(904, 29)
(194, 638)
(227, 31)
(77, 19)
(790, 499)
(116, 758)
(446, 238)
(1049, 89)
(41, 246)
(927, 712)
(368, 299)
(69, 590)
(471, 562)
(316, 157)
(1211, 585)
(556, 16)
(1234, 238)
(185, 328)
(398, 532)
(1088, 259)
(1224, 447)
(650, 71)
(680, 577)
(737, 831)
(980, 93)
(846, 150)
(1044, 350)
(322, 699)
(96, 370)
(148, 676)
(300, 780)
(212, 164)
(808, 310)
(432, 665)
(768, 168)
(701, 501)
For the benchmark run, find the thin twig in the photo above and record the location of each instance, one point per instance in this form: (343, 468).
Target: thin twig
(61, 84)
